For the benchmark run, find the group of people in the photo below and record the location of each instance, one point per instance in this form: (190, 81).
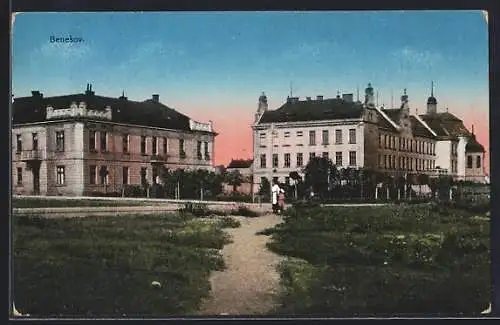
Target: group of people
(278, 198)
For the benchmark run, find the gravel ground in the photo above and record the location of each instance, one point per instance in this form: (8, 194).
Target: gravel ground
(250, 283)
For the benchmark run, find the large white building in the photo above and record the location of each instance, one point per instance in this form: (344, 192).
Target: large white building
(354, 134)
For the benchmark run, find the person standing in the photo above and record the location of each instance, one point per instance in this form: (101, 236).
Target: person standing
(275, 190)
(281, 200)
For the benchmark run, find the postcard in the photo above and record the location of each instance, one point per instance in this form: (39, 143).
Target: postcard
(273, 163)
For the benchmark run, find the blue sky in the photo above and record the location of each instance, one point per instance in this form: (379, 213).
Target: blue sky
(216, 64)
(238, 55)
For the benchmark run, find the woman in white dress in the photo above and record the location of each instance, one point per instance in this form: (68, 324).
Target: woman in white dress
(275, 190)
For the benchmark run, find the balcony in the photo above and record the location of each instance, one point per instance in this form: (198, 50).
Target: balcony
(158, 159)
(30, 155)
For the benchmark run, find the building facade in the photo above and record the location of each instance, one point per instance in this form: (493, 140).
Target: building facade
(244, 167)
(356, 135)
(82, 144)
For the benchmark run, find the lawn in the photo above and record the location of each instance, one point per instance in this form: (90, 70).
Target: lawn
(106, 266)
(389, 260)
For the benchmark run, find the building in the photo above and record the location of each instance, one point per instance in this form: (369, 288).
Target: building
(244, 167)
(351, 133)
(458, 152)
(83, 143)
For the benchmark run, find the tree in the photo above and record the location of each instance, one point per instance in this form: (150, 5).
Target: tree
(319, 170)
(234, 178)
(265, 188)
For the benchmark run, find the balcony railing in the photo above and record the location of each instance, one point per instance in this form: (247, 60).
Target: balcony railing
(26, 155)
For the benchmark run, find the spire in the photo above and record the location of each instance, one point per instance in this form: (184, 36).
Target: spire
(472, 129)
(432, 88)
(357, 92)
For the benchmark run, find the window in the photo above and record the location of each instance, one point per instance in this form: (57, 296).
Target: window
(262, 135)
(338, 158)
(352, 158)
(312, 155)
(380, 140)
(92, 174)
(287, 134)
(104, 141)
(469, 161)
(300, 159)
(92, 140)
(165, 146)
(324, 139)
(19, 143)
(263, 161)
(394, 143)
(125, 142)
(207, 153)
(34, 137)
(103, 174)
(154, 145)
(144, 174)
(478, 162)
(198, 150)
(385, 141)
(338, 136)
(125, 176)
(143, 145)
(325, 155)
(275, 179)
(59, 140)
(312, 138)
(300, 133)
(275, 160)
(60, 175)
(287, 160)
(19, 176)
(182, 152)
(352, 136)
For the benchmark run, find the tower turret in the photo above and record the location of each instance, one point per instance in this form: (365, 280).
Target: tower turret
(432, 102)
(369, 98)
(262, 106)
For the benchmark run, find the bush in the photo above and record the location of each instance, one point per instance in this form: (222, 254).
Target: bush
(235, 197)
(228, 222)
(196, 209)
(134, 191)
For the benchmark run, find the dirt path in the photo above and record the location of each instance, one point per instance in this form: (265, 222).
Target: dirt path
(250, 283)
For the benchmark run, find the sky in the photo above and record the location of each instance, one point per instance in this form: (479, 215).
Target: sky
(215, 65)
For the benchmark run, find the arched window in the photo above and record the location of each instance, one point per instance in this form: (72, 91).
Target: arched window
(469, 161)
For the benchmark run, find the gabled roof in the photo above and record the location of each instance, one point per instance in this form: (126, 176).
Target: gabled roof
(240, 163)
(313, 110)
(445, 124)
(147, 113)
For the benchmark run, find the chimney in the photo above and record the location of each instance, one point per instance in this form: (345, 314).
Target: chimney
(36, 93)
(89, 91)
(349, 98)
(319, 97)
(156, 98)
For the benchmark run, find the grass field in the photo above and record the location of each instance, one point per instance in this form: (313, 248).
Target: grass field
(105, 266)
(403, 260)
